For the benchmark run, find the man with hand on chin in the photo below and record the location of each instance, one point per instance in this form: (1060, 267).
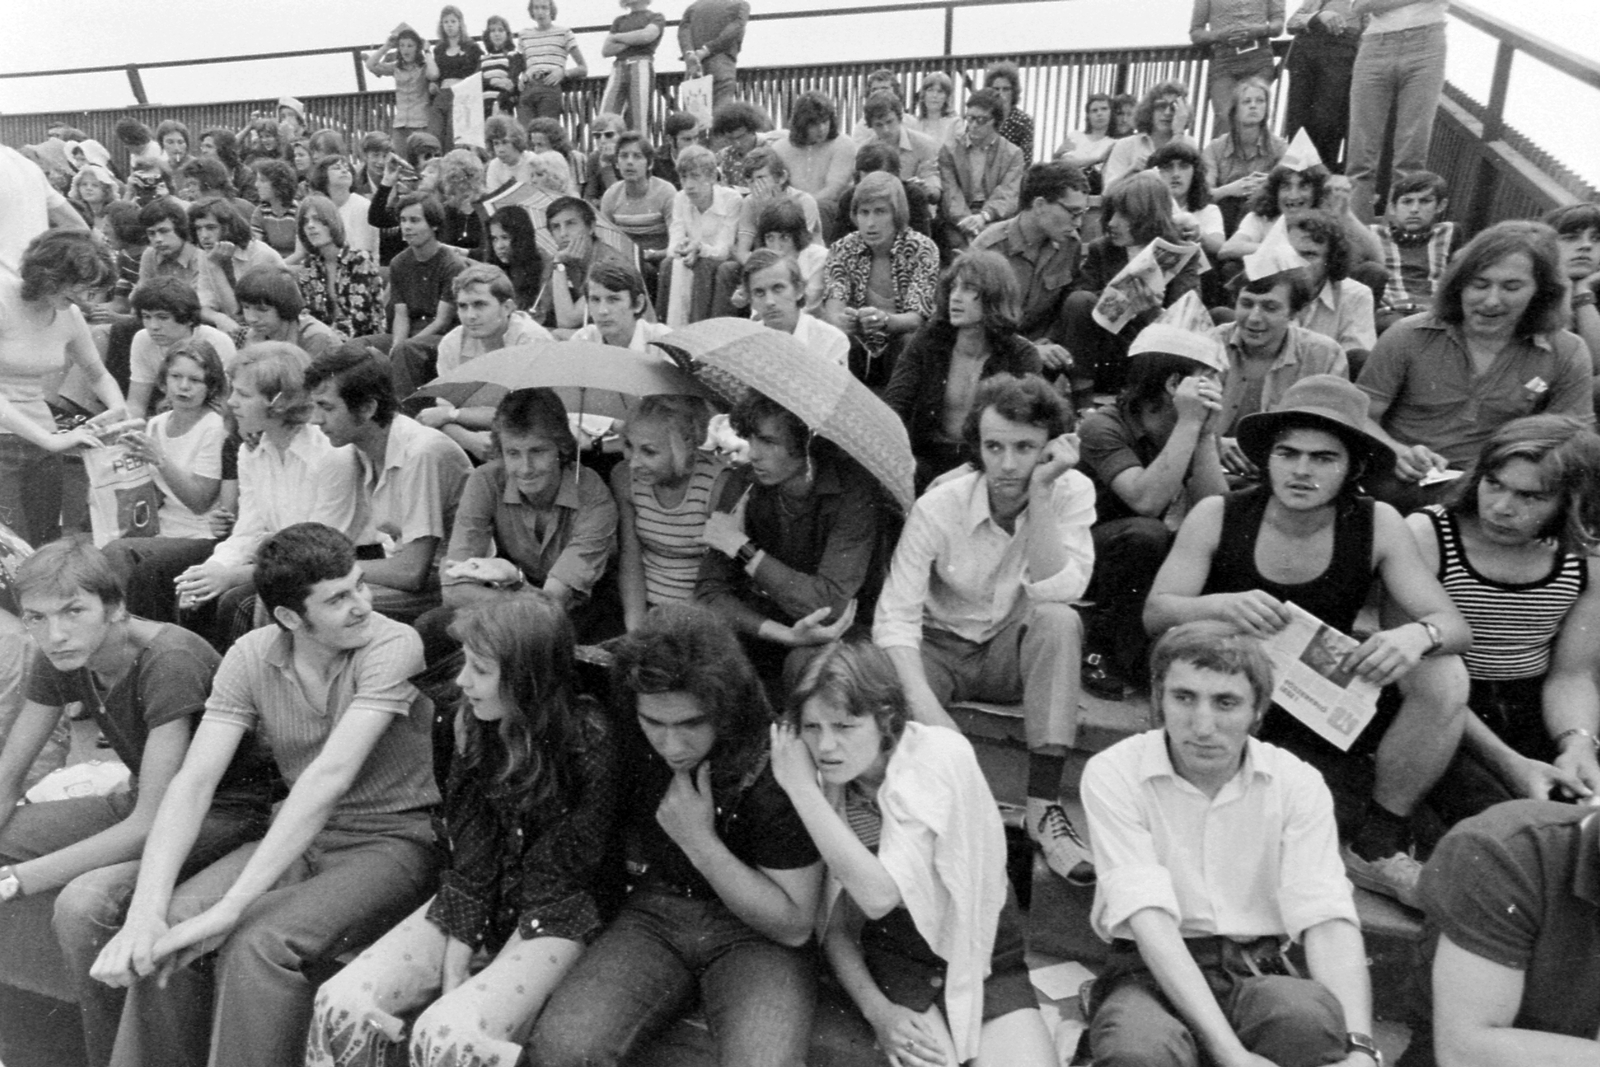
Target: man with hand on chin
(725, 876)
(978, 603)
(1305, 537)
(1215, 850)
(349, 853)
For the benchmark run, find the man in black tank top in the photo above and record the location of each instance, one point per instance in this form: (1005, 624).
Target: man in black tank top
(1306, 538)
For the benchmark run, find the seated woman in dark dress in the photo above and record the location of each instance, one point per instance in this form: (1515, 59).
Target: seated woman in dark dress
(896, 808)
(973, 335)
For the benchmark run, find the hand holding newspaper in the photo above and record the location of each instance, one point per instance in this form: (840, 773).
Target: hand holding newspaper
(1142, 284)
(1310, 683)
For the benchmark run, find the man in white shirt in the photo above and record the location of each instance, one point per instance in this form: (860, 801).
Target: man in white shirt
(486, 309)
(1213, 849)
(777, 293)
(169, 309)
(978, 603)
(409, 476)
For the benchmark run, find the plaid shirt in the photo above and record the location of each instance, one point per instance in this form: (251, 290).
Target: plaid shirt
(1395, 294)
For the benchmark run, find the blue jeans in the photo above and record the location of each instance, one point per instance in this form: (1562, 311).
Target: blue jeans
(89, 909)
(1403, 70)
(30, 490)
(643, 972)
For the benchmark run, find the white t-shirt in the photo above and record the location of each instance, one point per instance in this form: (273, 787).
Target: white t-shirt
(358, 232)
(27, 197)
(825, 339)
(145, 356)
(199, 452)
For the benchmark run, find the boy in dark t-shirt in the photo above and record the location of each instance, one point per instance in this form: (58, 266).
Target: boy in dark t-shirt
(725, 877)
(145, 684)
(633, 40)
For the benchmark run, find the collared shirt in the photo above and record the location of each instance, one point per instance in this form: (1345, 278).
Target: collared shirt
(413, 495)
(1301, 355)
(272, 490)
(187, 266)
(456, 348)
(957, 569)
(1519, 886)
(570, 541)
(1226, 165)
(919, 158)
(1227, 17)
(825, 339)
(644, 333)
(1343, 314)
(257, 688)
(351, 302)
(1422, 373)
(1044, 270)
(1260, 859)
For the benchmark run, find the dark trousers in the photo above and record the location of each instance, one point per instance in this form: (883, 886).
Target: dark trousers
(1127, 554)
(1319, 92)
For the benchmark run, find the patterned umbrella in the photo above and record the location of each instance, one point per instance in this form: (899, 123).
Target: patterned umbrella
(534, 201)
(735, 356)
(592, 379)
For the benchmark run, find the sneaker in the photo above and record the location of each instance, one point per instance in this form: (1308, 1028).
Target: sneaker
(1064, 851)
(1394, 876)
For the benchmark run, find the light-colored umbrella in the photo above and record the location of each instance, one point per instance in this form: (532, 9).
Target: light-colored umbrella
(735, 356)
(534, 200)
(591, 379)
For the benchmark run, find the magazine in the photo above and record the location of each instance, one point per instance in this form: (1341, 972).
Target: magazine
(1142, 284)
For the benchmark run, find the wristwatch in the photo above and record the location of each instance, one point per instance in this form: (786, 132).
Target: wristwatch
(10, 885)
(1358, 1042)
(1435, 638)
(746, 553)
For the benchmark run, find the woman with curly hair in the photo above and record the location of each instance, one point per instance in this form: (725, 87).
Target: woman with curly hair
(528, 819)
(260, 140)
(973, 336)
(1162, 115)
(1286, 190)
(278, 193)
(1005, 81)
(548, 142)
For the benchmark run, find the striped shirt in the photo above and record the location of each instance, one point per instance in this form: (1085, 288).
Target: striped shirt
(1514, 624)
(669, 538)
(544, 50)
(256, 688)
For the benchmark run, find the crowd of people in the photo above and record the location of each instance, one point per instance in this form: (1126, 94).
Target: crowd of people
(461, 730)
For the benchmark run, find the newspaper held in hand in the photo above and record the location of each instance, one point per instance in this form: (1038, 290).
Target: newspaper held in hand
(1311, 684)
(1142, 284)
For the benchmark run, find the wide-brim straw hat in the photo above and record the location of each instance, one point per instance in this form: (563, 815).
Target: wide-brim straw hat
(1321, 402)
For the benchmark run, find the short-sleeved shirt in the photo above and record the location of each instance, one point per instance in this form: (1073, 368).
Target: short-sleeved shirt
(456, 348)
(755, 821)
(643, 218)
(545, 50)
(638, 20)
(570, 541)
(1112, 442)
(256, 688)
(413, 496)
(1421, 371)
(422, 285)
(169, 680)
(198, 452)
(1519, 886)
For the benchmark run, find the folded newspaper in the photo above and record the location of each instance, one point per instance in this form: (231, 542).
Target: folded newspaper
(1311, 684)
(1142, 284)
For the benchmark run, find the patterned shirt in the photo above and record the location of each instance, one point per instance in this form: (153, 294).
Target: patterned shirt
(913, 264)
(353, 303)
(1017, 128)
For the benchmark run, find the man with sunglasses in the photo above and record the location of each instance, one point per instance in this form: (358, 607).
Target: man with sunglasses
(1041, 244)
(980, 172)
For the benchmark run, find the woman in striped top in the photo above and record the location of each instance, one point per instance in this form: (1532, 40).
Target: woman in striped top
(663, 496)
(1513, 551)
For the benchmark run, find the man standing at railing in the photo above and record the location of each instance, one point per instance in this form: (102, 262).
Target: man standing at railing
(710, 35)
(1400, 66)
(1239, 35)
